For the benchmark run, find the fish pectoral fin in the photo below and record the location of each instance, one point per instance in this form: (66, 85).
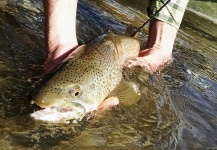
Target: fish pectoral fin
(128, 93)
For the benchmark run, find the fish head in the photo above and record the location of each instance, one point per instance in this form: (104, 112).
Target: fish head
(61, 103)
(49, 96)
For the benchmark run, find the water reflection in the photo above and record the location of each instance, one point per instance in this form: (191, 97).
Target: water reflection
(178, 106)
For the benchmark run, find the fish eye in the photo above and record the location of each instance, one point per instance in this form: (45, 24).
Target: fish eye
(75, 91)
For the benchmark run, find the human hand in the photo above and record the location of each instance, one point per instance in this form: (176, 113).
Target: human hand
(153, 59)
(159, 47)
(56, 57)
(60, 33)
(108, 103)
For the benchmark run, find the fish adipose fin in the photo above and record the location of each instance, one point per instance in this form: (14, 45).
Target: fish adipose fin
(127, 92)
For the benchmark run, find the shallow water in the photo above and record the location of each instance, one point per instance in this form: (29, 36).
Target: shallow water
(178, 108)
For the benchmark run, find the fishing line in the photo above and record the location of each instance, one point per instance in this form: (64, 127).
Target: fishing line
(134, 33)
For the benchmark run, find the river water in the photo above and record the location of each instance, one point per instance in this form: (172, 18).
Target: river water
(178, 107)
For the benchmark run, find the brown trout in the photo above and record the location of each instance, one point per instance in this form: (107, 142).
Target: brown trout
(89, 77)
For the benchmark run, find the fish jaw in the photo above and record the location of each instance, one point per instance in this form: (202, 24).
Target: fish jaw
(58, 114)
(59, 108)
(52, 115)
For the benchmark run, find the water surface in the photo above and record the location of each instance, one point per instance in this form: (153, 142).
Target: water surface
(178, 107)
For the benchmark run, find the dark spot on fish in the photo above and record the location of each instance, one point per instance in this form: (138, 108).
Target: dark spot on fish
(58, 90)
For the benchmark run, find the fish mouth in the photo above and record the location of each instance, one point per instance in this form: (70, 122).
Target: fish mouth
(57, 114)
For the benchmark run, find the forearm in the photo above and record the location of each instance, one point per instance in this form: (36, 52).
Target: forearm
(61, 26)
(163, 28)
(161, 36)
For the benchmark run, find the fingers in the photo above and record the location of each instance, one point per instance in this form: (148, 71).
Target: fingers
(141, 62)
(57, 57)
(152, 62)
(108, 103)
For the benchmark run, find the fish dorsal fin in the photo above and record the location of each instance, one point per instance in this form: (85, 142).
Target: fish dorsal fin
(127, 92)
